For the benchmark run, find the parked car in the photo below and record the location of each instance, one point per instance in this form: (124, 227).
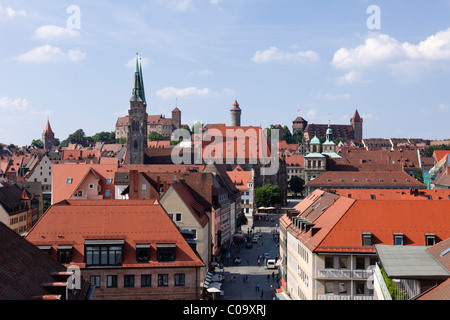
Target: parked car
(270, 264)
(249, 244)
(237, 260)
(255, 239)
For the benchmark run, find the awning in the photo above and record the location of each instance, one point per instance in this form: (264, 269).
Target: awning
(44, 247)
(261, 208)
(142, 245)
(282, 296)
(104, 242)
(213, 290)
(166, 245)
(65, 247)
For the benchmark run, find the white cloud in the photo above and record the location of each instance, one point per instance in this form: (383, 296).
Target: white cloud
(275, 54)
(11, 13)
(350, 77)
(171, 92)
(55, 32)
(380, 48)
(47, 53)
(13, 105)
(216, 1)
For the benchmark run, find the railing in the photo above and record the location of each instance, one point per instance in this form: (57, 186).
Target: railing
(344, 273)
(379, 280)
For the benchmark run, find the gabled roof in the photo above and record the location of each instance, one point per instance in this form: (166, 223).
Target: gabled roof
(365, 179)
(197, 207)
(340, 224)
(240, 178)
(62, 190)
(133, 221)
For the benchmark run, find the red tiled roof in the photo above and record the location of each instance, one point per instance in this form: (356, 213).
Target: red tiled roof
(384, 217)
(439, 292)
(343, 220)
(245, 142)
(440, 154)
(240, 178)
(295, 160)
(62, 190)
(48, 129)
(393, 194)
(356, 117)
(139, 221)
(365, 179)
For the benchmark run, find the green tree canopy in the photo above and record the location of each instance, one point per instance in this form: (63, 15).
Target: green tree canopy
(268, 195)
(155, 136)
(430, 150)
(296, 184)
(104, 136)
(37, 143)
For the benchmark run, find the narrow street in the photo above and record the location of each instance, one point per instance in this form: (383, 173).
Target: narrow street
(234, 287)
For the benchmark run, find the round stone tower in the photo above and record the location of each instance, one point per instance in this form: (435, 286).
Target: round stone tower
(235, 115)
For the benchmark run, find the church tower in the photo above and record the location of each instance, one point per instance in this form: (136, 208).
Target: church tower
(356, 121)
(137, 116)
(48, 137)
(235, 115)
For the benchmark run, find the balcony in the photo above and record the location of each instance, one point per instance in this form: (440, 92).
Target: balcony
(344, 274)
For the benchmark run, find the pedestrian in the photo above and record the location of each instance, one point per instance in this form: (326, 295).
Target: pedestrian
(273, 274)
(262, 294)
(268, 277)
(256, 287)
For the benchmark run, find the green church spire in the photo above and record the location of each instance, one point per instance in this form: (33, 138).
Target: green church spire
(138, 93)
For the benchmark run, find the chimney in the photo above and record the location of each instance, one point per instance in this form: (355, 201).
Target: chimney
(133, 194)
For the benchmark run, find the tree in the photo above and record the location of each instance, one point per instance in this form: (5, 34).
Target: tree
(155, 136)
(296, 184)
(297, 137)
(104, 136)
(430, 150)
(197, 125)
(268, 195)
(37, 143)
(419, 175)
(56, 142)
(77, 137)
(286, 135)
(122, 140)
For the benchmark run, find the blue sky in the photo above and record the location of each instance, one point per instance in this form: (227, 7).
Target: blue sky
(274, 56)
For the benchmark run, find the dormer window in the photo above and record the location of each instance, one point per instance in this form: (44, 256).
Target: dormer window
(165, 252)
(142, 252)
(64, 253)
(367, 239)
(398, 239)
(430, 239)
